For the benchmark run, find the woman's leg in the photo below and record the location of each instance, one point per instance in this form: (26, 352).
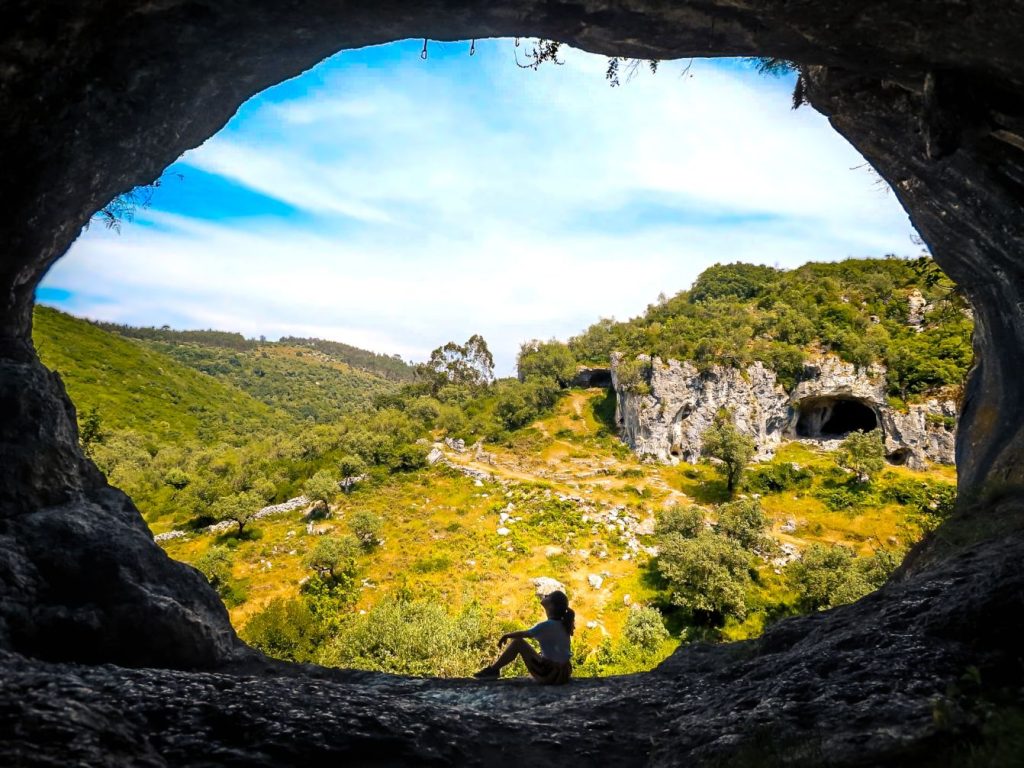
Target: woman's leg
(515, 647)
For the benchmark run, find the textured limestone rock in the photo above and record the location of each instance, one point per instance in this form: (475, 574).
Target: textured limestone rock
(667, 422)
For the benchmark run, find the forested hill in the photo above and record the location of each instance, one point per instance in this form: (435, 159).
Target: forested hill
(902, 313)
(136, 388)
(390, 367)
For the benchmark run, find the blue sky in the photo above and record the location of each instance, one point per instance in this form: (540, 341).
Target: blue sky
(396, 203)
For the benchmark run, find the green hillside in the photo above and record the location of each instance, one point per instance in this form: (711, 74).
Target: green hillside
(307, 384)
(859, 309)
(390, 367)
(132, 387)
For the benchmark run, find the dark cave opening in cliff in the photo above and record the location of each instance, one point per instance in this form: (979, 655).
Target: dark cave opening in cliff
(834, 417)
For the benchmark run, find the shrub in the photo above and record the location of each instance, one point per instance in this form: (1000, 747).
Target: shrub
(409, 636)
(215, 565)
(285, 629)
(829, 576)
(743, 521)
(707, 575)
(778, 477)
(634, 376)
(645, 628)
(366, 526)
(863, 453)
(687, 522)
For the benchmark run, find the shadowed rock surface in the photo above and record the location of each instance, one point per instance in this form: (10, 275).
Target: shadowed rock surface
(101, 95)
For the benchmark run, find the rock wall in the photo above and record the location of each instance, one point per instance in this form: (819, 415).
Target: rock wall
(666, 418)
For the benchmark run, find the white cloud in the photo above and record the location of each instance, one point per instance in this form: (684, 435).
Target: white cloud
(511, 203)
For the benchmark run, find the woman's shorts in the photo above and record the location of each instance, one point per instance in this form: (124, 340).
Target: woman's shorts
(548, 672)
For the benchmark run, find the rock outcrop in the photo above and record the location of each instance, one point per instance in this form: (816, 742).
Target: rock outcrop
(665, 415)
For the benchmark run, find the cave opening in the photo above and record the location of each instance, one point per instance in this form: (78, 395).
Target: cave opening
(66, 156)
(832, 417)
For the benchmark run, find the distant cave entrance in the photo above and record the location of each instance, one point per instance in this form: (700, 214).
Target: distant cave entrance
(593, 377)
(900, 457)
(834, 417)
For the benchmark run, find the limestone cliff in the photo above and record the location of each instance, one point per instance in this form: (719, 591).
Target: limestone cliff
(665, 415)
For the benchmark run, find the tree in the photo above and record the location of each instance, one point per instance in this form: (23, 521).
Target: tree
(745, 522)
(825, 577)
(177, 478)
(366, 526)
(550, 359)
(645, 628)
(285, 629)
(708, 574)
(239, 508)
(469, 364)
(724, 442)
(321, 489)
(334, 558)
(863, 453)
(90, 430)
(687, 522)
(351, 467)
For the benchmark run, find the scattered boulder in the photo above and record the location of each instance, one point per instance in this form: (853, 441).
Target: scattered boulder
(545, 585)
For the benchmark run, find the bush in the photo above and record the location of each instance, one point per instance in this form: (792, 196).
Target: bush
(687, 522)
(645, 628)
(215, 565)
(743, 521)
(829, 576)
(634, 376)
(285, 629)
(414, 637)
(707, 575)
(778, 477)
(863, 453)
(366, 526)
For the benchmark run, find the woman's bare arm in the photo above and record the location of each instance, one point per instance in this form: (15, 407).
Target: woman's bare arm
(513, 636)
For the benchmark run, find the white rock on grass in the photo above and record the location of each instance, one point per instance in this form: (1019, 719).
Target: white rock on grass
(595, 581)
(545, 585)
(503, 531)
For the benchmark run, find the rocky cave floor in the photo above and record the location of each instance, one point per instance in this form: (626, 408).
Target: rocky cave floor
(860, 685)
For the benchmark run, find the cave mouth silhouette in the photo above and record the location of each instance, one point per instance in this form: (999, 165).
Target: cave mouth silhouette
(99, 102)
(832, 417)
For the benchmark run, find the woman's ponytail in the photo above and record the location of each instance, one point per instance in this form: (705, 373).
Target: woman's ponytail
(565, 614)
(569, 620)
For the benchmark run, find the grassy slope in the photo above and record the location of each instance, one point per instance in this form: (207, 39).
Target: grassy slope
(137, 388)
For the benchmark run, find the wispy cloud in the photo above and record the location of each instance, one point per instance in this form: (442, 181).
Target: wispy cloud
(432, 201)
